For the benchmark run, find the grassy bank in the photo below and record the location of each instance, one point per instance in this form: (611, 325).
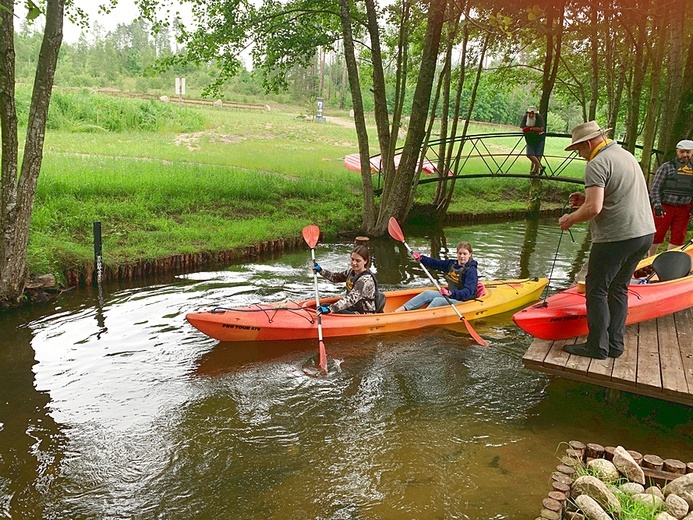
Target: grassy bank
(238, 178)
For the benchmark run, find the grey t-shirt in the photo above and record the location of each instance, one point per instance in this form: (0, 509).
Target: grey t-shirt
(626, 211)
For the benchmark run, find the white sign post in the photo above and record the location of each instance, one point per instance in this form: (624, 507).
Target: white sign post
(180, 90)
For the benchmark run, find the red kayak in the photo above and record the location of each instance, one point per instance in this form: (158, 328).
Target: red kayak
(564, 315)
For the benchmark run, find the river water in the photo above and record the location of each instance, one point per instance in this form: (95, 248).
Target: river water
(112, 406)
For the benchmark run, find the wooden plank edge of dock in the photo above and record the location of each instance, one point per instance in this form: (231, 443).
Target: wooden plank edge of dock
(647, 391)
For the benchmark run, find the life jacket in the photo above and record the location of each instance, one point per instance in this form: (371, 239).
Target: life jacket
(681, 183)
(379, 298)
(455, 277)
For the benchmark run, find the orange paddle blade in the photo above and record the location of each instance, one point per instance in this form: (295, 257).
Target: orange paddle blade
(394, 229)
(311, 234)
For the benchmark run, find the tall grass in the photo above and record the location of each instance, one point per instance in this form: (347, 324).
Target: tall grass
(164, 180)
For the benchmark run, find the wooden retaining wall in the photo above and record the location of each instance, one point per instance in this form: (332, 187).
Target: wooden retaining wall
(180, 263)
(657, 471)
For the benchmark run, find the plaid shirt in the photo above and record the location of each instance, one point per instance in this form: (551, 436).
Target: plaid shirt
(667, 170)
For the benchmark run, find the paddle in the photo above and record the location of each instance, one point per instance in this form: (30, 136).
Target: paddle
(311, 234)
(396, 233)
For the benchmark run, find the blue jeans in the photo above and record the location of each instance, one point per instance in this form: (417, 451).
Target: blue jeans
(611, 266)
(429, 296)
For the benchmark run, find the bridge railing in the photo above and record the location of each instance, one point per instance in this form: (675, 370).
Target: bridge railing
(478, 155)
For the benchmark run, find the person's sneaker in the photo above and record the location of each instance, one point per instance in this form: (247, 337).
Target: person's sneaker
(614, 353)
(582, 349)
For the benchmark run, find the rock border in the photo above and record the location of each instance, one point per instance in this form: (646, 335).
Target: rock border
(554, 505)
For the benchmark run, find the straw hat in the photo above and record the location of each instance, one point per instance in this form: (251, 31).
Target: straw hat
(585, 132)
(532, 109)
(685, 144)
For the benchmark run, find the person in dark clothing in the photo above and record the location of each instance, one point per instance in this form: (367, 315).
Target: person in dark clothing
(533, 126)
(461, 274)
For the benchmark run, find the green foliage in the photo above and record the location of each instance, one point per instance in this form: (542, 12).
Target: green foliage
(85, 111)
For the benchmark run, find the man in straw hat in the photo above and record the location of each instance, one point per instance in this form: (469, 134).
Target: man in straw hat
(671, 193)
(532, 125)
(617, 207)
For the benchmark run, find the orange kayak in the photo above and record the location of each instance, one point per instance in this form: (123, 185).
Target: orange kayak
(297, 320)
(564, 314)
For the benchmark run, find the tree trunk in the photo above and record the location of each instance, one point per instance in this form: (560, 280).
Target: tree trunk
(359, 117)
(650, 126)
(594, 48)
(554, 39)
(397, 200)
(635, 91)
(675, 86)
(683, 124)
(18, 197)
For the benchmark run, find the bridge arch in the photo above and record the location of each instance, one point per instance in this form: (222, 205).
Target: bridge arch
(486, 155)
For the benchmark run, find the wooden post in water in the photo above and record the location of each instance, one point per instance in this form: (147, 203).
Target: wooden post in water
(98, 258)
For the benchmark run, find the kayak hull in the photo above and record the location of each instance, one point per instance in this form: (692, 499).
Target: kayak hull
(564, 314)
(298, 320)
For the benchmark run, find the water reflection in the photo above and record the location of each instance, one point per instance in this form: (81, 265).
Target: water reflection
(113, 407)
(31, 443)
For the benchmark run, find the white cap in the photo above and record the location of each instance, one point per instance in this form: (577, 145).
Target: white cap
(685, 144)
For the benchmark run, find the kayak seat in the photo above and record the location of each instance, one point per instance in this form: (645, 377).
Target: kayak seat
(671, 265)
(381, 299)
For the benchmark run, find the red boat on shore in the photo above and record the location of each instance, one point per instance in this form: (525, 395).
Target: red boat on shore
(564, 315)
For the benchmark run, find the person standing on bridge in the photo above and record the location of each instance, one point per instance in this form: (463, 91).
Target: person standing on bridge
(532, 125)
(671, 194)
(617, 207)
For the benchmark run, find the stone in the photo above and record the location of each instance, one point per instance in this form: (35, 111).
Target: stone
(591, 508)
(571, 515)
(674, 466)
(676, 506)
(650, 500)
(164, 99)
(652, 461)
(547, 514)
(627, 466)
(664, 516)
(654, 490)
(218, 103)
(683, 487)
(596, 489)
(632, 488)
(604, 470)
(594, 450)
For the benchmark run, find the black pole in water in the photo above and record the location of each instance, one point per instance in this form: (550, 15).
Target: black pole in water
(98, 260)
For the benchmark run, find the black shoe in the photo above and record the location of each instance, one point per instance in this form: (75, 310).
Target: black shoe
(614, 353)
(582, 349)
(543, 169)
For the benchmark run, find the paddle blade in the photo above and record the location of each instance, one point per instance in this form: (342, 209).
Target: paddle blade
(394, 229)
(474, 334)
(311, 234)
(323, 358)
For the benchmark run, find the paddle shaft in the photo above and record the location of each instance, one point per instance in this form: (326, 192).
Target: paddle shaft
(435, 282)
(321, 343)
(396, 232)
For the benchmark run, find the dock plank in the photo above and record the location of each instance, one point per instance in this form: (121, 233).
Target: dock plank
(657, 361)
(537, 351)
(684, 329)
(626, 366)
(649, 373)
(673, 378)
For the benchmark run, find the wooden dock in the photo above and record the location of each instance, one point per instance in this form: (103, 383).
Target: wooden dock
(657, 362)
